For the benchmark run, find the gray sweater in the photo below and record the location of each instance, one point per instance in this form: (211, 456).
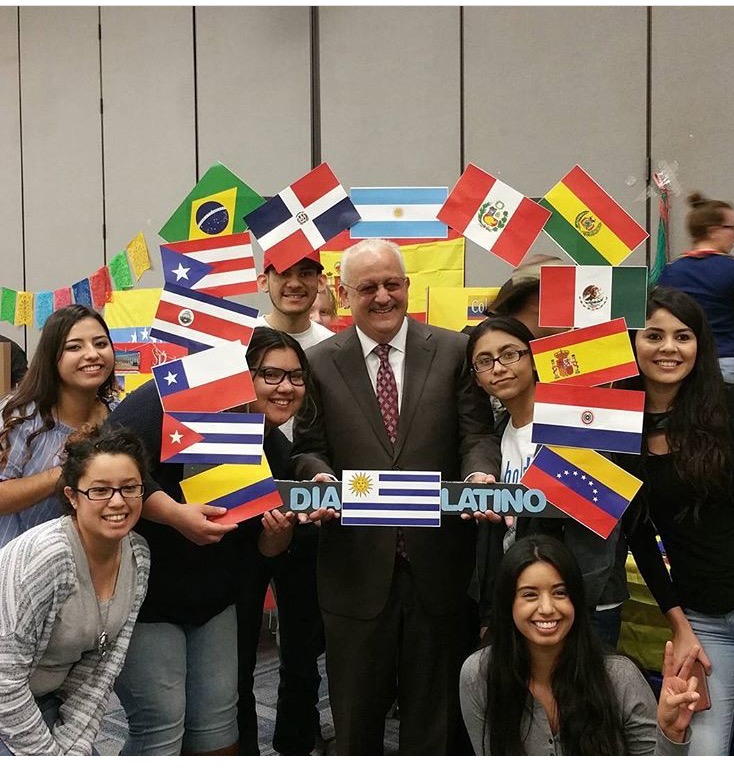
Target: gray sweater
(37, 575)
(634, 698)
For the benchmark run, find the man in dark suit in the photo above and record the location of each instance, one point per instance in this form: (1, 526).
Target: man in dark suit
(394, 600)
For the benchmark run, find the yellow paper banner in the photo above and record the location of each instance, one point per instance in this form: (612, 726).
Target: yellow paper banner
(132, 309)
(137, 252)
(24, 308)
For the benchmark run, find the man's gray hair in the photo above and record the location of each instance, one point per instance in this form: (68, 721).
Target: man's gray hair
(367, 246)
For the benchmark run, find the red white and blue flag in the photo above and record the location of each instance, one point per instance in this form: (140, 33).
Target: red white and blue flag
(208, 381)
(198, 321)
(212, 438)
(302, 217)
(217, 266)
(588, 417)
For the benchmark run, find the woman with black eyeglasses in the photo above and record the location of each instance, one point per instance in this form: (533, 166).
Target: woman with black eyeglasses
(70, 591)
(499, 356)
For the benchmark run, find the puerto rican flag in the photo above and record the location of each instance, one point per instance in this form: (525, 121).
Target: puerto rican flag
(207, 382)
(198, 321)
(217, 266)
(212, 438)
(302, 217)
(493, 215)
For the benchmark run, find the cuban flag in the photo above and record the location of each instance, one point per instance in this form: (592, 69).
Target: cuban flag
(391, 498)
(212, 438)
(302, 217)
(397, 213)
(217, 266)
(208, 381)
(198, 321)
(588, 417)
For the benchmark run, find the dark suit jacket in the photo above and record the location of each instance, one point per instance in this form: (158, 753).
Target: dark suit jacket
(444, 425)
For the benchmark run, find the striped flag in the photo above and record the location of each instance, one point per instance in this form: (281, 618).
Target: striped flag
(588, 417)
(212, 380)
(214, 207)
(217, 266)
(596, 355)
(397, 213)
(589, 224)
(212, 438)
(198, 321)
(391, 498)
(302, 217)
(246, 490)
(577, 297)
(586, 486)
(493, 215)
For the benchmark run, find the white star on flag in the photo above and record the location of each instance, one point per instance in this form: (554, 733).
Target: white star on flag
(171, 378)
(176, 437)
(181, 272)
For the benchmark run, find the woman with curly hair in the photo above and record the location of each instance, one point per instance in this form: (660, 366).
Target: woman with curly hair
(70, 382)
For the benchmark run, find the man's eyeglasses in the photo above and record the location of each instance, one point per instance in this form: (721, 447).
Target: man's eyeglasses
(106, 492)
(508, 357)
(275, 375)
(370, 289)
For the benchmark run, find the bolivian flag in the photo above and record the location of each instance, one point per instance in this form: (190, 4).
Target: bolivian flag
(246, 490)
(589, 224)
(595, 355)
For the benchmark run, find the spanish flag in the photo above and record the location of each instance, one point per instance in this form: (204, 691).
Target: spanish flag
(589, 224)
(595, 355)
(246, 490)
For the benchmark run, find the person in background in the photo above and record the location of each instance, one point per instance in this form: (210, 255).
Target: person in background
(544, 686)
(70, 590)
(706, 271)
(324, 309)
(18, 361)
(70, 383)
(687, 497)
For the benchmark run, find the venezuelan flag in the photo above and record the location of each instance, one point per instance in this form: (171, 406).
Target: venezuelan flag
(595, 355)
(246, 490)
(587, 487)
(589, 224)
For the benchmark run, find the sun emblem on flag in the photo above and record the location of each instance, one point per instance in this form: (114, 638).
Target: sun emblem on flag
(593, 298)
(360, 485)
(492, 216)
(587, 224)
(398, 213)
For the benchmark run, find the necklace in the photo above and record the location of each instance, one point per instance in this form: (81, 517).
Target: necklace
(103, 643)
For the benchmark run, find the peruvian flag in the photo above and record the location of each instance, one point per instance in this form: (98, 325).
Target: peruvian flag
(493, 215)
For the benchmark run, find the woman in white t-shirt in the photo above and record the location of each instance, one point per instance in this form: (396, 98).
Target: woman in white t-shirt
(502, 363)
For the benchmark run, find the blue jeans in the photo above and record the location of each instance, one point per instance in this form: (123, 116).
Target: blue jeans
(179, 687)
(712, 730)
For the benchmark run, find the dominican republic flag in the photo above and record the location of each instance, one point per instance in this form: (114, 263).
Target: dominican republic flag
(586, 486)
(493, 215)
(588, 417)
(577, 297)
(397, 213)
(246, 490)
(199, 321)
(391, 498)
(212, 438)
(302, 217)
(208, 381)
(217, 266)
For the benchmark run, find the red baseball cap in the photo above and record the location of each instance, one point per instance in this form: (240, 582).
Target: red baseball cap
(314, 256)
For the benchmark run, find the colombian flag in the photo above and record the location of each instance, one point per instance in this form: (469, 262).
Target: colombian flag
(455, 308)
(246, 490)
(595, 355)
(587, 487)
(589, 224)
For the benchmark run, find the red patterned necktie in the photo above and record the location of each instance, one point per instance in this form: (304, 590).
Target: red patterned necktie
(387, 397)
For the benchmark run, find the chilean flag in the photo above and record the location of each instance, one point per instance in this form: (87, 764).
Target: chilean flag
(302, 217)
(208, 381)
(198, 321)
(217, 266)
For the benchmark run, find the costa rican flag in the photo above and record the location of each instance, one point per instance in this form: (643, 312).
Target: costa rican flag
(217, 266)
(212, 438)
(198, 321)
(302, 217)
(391, 498)
(209, 381)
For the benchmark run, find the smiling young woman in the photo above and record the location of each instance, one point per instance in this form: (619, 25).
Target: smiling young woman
(70, 383)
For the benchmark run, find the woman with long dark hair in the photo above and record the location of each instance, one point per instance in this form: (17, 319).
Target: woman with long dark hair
(70, 383)
(544, 686)
(687, 497)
